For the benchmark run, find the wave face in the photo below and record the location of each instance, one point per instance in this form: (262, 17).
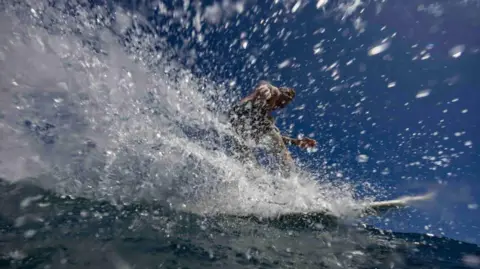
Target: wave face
(114, 153)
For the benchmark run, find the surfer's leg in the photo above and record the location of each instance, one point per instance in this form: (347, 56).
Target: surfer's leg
(242, 152)
(280, 150)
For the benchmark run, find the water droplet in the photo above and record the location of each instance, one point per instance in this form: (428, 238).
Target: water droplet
(426, 56)
(472, 206)
(468, 143)
(29, 233)
(300, 107)
(378, 49)
(391, 84)
(284, 64)
(244, 44)
(321, 3)
(296, 6)
(362, 158)
(336, 88)
(423, 93)
(34, 13)
(317, 51)
(457, 51)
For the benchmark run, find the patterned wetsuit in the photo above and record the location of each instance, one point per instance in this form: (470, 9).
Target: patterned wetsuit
(251, 119)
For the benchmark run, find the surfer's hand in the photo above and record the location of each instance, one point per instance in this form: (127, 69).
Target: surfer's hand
(307, 143)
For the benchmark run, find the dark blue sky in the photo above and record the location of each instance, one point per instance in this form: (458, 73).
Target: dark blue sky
(412, 143)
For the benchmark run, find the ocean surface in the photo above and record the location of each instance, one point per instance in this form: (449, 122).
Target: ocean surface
(40, 229)
(115, 151)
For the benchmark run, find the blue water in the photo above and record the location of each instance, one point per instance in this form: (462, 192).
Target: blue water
(112, 144)
(48, 230)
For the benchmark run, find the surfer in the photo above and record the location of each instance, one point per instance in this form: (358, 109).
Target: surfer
(252, 120)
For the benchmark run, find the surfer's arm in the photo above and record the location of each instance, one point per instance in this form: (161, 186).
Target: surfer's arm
(290, 141)
(303, 143)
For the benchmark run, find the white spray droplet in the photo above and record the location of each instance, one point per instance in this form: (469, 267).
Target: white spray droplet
(425, 57)
(244, 44)
(456, 51)
(423, 93)
(296, 6)
(336, 88)
(284, 64)
(362, 158)
(378, 49)
(392, 84)
(321, 3)
(29, 233)
(472, 206)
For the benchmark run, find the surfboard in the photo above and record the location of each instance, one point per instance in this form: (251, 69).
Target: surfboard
(400, 202)
(327, 219)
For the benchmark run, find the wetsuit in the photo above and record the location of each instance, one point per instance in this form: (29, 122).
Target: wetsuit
(251, 119)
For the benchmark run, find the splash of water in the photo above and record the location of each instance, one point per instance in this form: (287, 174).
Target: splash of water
(92, 105)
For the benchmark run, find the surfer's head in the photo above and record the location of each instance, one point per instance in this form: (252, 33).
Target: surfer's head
(286, 96)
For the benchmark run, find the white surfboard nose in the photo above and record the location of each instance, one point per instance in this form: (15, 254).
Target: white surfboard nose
(399, 202)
